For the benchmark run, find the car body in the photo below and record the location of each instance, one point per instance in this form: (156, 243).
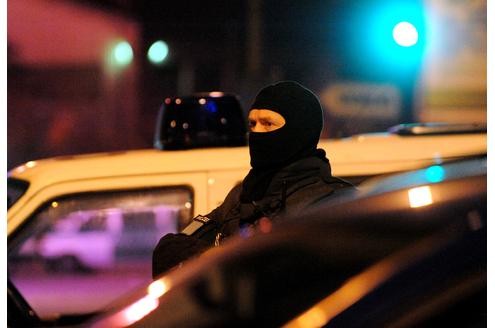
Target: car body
(378, 258)
(154, 192)
(213, 172)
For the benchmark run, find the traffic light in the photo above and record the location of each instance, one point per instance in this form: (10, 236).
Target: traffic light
(380, 44)
(405, 34)
(396, 34)
(158, 52)
(122, 54)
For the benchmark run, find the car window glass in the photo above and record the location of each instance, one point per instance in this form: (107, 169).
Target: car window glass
(15, 189)
(81, 252)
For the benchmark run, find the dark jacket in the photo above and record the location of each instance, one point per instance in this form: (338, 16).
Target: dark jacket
(292, 189)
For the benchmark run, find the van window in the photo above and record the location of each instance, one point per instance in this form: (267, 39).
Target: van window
(80, 252)
(15, 189)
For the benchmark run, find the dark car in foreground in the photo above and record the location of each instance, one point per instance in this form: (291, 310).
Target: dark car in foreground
(406, 250)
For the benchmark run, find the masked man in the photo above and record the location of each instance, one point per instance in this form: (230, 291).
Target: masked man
(289, 174)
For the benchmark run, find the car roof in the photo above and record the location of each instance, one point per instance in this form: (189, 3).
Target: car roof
(354, 158)
(366, 154)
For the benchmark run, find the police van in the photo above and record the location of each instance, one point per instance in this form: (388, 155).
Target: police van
(97, 217)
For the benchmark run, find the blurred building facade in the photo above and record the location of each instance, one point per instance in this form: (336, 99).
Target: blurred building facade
(68, 95)
(64, 95)
(454, 79)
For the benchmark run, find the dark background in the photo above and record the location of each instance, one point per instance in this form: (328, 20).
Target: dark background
(58, 107)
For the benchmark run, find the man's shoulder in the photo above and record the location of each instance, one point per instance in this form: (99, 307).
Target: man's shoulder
(234, 193)
(231, 200)
(312, 193)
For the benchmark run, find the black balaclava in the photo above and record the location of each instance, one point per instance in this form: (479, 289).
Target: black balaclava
(297, 139)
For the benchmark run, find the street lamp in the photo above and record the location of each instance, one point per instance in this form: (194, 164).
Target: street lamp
(405, 34)
(122, 54)
(158, 52)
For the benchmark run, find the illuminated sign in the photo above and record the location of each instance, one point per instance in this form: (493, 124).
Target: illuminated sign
(362, 100)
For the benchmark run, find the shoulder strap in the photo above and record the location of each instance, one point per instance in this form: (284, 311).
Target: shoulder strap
(206, 226)
(197, 223)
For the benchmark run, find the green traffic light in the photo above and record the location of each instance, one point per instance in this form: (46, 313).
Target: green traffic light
(158, 52)
(122, 53)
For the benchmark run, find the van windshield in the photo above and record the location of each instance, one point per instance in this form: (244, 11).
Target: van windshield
(15, 189)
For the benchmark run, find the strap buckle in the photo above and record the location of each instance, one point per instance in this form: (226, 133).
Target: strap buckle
(195, 225)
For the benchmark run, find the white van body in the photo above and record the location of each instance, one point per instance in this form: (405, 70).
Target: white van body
(212, 172)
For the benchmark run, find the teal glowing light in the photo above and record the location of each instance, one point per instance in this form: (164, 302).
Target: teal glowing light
(158, 52)
(435, 173)
(122, 53)
(405, 34)
(393, 35)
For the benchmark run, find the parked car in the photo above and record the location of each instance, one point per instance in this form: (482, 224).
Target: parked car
(88, 240)
(406, 249)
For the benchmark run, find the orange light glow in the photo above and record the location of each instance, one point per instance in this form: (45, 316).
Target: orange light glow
(420, 196)
(265, 225)
(315, 317)
(139, 309)
(342, 298)
(178, 101)
(216, 94)
(157, 288)
(202, 101)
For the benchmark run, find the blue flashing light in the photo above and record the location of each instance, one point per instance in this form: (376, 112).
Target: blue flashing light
(158, 52)
(211, 106)
(435, 173)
